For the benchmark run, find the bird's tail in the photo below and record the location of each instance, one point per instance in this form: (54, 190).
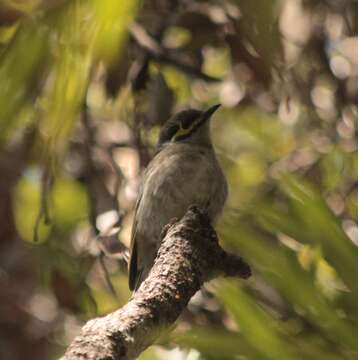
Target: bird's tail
(141, 276)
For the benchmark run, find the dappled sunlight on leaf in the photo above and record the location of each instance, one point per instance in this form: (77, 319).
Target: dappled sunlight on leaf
(68, 204)
(85, 34)
(24, 59)
(28, 203)
(256, 326)
(215, 343)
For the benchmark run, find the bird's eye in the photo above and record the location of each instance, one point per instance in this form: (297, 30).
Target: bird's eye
(167, 133)
(187, 127)
(187, 122)
(180, 127)
(172, 131)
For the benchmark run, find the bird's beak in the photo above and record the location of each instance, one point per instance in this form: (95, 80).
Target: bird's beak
(208, 113)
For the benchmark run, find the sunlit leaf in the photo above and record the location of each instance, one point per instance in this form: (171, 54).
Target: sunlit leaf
(217, 343)
(111, 24)
(68, 204)
(325, 229)
(297, 285)
(21, 68)
(27, 207)
(67, 85)
(256, 326)
(335, 165)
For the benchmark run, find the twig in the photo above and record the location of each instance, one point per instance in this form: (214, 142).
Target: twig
(162, 55)
(106, 273)
(118, 181)
(46, 184)
(89, 144)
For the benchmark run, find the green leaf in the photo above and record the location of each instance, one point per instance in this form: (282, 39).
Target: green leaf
(255, 325)
(85, 34)
(21, 67)
(69, 204)
(280, 267)
(324, 228)
(259, 24)
(27, 203)
(217, 343)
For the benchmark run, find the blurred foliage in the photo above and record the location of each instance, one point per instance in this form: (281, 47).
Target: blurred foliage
(84, 91)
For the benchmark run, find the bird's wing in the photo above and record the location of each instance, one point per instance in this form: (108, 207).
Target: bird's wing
(133, 259)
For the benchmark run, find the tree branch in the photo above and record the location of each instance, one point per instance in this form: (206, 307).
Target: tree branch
(189, 256)
(161, 54)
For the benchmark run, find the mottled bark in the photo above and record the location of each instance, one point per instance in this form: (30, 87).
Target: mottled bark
(189, 255)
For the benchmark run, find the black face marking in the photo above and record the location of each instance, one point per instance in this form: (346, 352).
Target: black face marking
(183, 137)
(167, 132)
(187, 121)
(182, 119)
(183, 125)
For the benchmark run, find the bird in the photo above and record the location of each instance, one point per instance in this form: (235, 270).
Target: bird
(184, 171)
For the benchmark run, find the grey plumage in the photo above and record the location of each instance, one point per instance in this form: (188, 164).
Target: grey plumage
(184, 171)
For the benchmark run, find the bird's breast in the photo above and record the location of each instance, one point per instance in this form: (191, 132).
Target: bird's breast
(176, 179)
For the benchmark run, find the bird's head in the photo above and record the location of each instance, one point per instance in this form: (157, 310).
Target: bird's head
(188, 126)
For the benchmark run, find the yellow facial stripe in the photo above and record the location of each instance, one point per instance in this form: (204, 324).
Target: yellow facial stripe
(183, 132)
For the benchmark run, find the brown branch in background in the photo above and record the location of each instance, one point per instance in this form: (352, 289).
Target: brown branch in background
(96, 186)
(47, 181)
(161, 55)
(189, 256)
